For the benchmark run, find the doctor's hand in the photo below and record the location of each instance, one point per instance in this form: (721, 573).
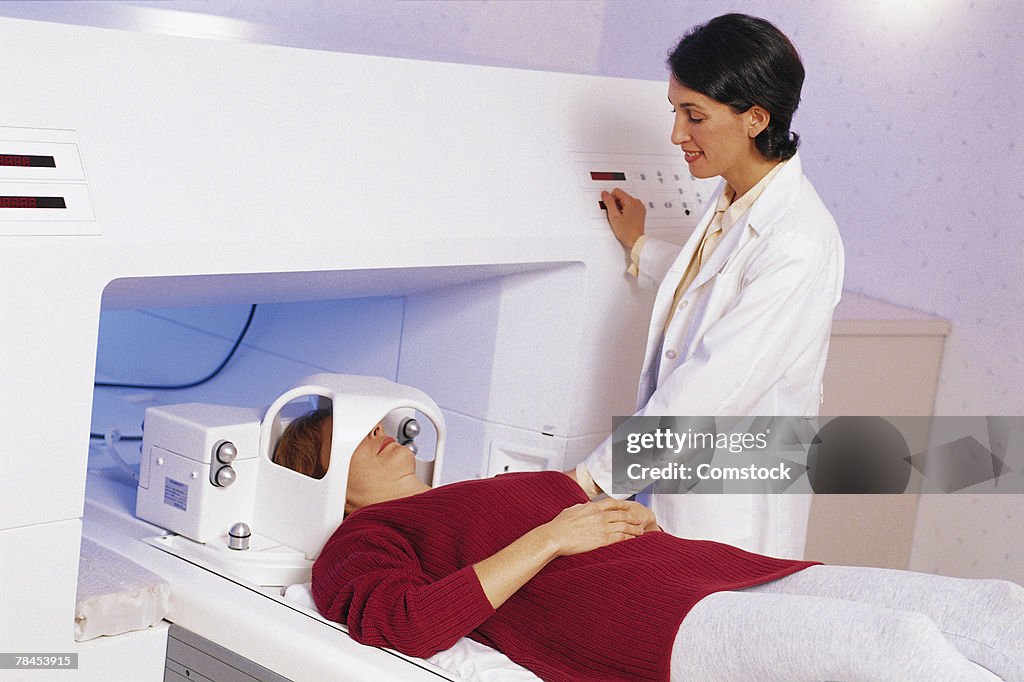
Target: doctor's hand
(590, 525)
(626, 215)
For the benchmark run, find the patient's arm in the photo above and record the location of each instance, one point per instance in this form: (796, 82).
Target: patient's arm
(372, 581)
(575, 530)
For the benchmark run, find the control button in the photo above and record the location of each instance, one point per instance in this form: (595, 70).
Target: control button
(639, 177)
(670, 354)
(238, 536)
(224, 477)
(410, 428)
(226, 452)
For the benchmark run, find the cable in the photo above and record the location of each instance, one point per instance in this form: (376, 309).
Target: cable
(111, 440)
(192, 384)
(175, 387)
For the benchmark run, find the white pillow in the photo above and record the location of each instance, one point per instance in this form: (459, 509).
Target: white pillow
(468, 659)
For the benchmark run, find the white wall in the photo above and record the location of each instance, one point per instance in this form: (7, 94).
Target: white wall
(909, 127)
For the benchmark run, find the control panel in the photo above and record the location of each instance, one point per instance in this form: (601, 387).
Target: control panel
(42, 184)
(675, 199)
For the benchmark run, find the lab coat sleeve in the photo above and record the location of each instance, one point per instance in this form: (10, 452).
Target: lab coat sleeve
(656, 257)
(783, 309)
(373, 582)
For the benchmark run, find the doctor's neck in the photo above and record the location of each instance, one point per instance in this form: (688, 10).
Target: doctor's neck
(748, 174)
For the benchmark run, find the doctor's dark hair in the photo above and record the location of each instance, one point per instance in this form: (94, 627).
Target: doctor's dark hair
(741, 61)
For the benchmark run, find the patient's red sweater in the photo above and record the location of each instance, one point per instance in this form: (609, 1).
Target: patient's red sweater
(400, 575)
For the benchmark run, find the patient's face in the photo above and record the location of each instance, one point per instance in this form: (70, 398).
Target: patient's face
(376, 462)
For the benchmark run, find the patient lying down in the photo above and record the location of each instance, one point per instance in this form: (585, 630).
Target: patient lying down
(575, 589)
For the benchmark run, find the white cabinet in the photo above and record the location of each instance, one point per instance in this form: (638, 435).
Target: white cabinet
(883, 360)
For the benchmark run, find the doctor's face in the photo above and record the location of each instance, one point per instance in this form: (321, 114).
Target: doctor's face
(715, 140)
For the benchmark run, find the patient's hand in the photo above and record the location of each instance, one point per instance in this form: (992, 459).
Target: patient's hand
(575, 530)
(590, 525)
(650, 521)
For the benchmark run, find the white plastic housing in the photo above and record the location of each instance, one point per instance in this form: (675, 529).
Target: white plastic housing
(302, 511)
(240, 173)
(178, 459)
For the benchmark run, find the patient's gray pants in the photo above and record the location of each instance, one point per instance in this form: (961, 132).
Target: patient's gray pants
(855, 623)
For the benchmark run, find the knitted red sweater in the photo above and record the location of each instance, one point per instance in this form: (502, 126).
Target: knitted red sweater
(400, 575)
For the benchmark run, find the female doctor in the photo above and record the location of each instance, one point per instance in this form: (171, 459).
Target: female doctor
(741, 321)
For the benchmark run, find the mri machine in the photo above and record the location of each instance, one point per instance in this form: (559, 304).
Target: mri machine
(148, 171)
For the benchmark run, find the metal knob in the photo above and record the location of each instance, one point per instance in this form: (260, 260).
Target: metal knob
(224, 477)
(412, 446)
(238, 536)
(226, 452)
(409, 429)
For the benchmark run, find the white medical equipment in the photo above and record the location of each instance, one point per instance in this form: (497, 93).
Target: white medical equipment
(461, 199)
(207, 474)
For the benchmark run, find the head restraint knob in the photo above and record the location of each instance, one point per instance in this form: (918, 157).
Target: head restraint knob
(224, 477)
(409, 429)
(226, 452)
(238, 536)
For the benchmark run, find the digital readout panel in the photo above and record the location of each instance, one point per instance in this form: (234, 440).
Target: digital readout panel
(32, 202)
(613, 176)
(27, 161)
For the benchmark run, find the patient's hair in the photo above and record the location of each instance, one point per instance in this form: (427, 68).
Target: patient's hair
(299, 445)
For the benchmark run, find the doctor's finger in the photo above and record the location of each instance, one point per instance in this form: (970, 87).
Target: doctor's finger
(611, 204)
(623, 196)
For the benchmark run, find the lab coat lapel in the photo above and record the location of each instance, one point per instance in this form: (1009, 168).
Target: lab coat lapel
(777, 197)
(693, 243)
(773, 202)
(730, 242)
(663, 300)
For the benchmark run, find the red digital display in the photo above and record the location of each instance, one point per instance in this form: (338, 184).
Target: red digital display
(615, 176)
(32, 202)
(27, 161)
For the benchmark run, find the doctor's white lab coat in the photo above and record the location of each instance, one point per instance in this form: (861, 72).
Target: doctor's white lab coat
(749, 337)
